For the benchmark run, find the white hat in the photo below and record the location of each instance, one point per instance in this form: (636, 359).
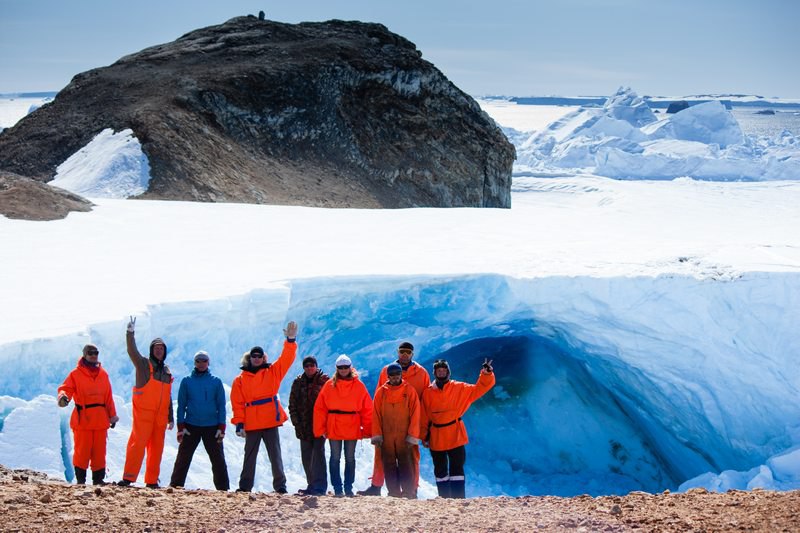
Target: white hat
(343, 360)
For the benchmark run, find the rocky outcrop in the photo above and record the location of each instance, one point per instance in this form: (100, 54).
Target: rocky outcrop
(27, 199)
(338, 114)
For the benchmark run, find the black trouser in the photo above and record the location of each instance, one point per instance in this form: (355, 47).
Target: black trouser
(214, 450)
(312, 453)
(252, 442)
(450, 478)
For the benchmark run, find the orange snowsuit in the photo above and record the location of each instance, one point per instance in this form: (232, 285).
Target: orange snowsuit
(90, 388)
(254, 395)
(443, 408)
(396, 416)
(343, 410)
(152, 412)
(416, 376)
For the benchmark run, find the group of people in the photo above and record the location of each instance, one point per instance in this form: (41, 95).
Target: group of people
(407, 410)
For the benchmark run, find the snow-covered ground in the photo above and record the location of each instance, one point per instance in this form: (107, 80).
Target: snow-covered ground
(644, 332)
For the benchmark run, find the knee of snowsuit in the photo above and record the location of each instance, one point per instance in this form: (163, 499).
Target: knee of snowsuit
(151, 408)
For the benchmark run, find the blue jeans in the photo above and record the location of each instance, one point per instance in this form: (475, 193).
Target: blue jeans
(349, 465)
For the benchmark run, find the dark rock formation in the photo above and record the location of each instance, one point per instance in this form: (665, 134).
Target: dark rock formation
(24, 198)
(765, 112)
(674, 107)
(337, 114)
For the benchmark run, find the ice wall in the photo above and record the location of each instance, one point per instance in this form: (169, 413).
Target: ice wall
(605, 385)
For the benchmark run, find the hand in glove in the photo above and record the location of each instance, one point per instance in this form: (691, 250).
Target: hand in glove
(113, 421)
(240, 432)
(170, 426)
(377, 440)
(291, 331)
(63, 401)
(487, 366)
(182, 431)
(219, 435)
(412, 440)
(131, 324)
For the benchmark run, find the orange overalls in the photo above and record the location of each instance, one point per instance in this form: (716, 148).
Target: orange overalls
(395, 416)
(90, 388)
(419, 379)
(151, 407)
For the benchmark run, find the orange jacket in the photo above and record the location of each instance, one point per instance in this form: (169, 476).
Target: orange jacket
(344, 411)
(91, 391)
(396, 412)
(415, 375)
(154, 400)
(254, 394)
(443, 408)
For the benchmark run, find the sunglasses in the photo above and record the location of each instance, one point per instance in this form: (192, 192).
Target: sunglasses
(404, 351)
(310, 365)
(343, 367)
(92, 352)
(201, 360)
(256, 356)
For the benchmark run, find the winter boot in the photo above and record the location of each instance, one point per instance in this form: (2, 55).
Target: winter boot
(457, 488)
(98, 476)
(373, 490)
(80, 475)
(444, 488)
(124, 483)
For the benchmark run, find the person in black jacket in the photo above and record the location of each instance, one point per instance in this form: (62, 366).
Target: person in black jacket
(305, 389)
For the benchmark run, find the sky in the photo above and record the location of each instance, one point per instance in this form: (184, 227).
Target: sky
(504, 47)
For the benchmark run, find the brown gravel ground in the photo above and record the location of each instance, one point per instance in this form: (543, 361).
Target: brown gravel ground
(31, 502)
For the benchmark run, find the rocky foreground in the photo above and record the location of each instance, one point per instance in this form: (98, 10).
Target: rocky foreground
(32, 502)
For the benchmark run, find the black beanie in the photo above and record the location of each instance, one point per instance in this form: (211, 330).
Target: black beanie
(406, 346)
(310, 359)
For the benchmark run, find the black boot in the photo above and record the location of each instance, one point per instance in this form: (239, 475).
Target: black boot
(444, 488)
(457, 488)
(80, 475)
(98, 476)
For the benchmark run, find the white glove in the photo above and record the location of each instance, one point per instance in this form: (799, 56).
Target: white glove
(219, 435)
(63, 401)
(240, 432)
(377, 440)
(291, 331)
(412, 440)
(131, 324)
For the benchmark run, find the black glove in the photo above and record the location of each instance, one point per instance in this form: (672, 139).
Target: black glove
(487, 365)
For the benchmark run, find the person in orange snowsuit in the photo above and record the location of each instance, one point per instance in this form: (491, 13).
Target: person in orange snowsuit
(444, 402)
(395, 431)
(257, 411)
(416, 376)
(152, 411)
(94, 413)
(343, 414)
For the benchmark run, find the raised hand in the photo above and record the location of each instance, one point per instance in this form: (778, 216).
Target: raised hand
(291, 330)
(131, 324)
(487, 366)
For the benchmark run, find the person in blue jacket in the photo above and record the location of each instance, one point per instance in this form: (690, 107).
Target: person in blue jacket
(201, 416)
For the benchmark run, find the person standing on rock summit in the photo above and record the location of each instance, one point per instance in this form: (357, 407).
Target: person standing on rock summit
(343, 415)
(305, 390)
(416, 376)
(444, 402)
(201, 416)
(152, 410)
(94, 413)
(257, 411)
